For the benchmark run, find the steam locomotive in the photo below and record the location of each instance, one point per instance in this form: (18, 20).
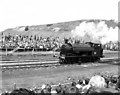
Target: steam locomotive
(81, 52)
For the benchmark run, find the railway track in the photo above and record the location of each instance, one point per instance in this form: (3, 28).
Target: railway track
(22, 65)
(9, 65)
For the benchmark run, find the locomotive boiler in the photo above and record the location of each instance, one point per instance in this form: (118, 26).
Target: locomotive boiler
(81, 52)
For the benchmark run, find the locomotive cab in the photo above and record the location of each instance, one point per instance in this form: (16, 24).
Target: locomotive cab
(98, 50)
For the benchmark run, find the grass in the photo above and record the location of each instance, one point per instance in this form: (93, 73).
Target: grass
(37, 77)
(65, 27)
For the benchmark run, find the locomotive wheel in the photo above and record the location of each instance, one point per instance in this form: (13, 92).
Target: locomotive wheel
(62, 61)
(92, 59)
(79, 61)
(87, 59)
(95, 59)
(68, 60)
(76, 60)
(84, 59)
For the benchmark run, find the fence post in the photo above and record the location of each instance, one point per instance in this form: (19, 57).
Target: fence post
(14, 86)
(33, 51)
(6, 51)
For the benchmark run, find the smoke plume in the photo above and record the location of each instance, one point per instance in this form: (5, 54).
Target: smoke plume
(95, 32)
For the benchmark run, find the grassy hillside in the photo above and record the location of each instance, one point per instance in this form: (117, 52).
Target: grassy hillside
(62, 29)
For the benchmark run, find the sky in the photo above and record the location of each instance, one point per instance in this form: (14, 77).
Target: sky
(14, 13)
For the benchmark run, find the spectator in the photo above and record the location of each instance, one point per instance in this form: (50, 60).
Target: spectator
(96, 85)
(97, 82)
(118, 84)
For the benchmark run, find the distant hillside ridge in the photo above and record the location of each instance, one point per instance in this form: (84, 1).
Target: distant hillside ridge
(63, 29)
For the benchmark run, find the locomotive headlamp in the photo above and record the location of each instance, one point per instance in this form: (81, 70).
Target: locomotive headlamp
(95, 53)
(99, 45)
(63, 56)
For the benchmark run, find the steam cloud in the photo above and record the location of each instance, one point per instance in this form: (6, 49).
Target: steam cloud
(95, 32)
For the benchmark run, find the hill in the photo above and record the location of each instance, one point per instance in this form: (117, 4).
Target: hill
(62, 29)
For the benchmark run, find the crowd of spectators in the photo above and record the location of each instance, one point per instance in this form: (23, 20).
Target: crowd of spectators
(40, 43)
(99, 83)
(30, 42)
(114, 46)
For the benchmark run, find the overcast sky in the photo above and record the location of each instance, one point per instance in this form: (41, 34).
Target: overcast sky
(15, 13)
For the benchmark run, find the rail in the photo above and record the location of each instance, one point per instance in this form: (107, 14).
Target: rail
(37, 64)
